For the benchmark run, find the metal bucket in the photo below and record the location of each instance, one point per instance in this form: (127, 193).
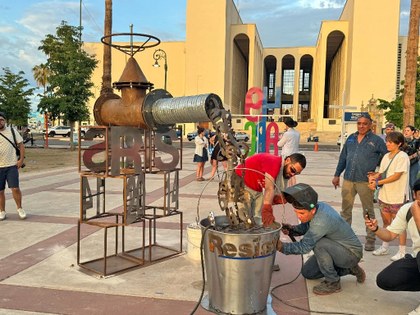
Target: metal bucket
(238, 267)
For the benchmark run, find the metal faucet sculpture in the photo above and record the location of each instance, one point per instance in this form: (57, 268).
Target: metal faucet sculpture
(158, 111)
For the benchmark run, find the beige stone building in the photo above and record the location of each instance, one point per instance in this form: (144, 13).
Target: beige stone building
(354, 59)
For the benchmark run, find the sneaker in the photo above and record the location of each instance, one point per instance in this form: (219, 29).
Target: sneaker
(359, 273)
(381, 251)
(22, 214)
(2, 215)
(326, 287)
(369, 246)
(415, 311)
(398, 256)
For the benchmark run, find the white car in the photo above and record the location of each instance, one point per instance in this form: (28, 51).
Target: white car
(241, 136)
(63, 131)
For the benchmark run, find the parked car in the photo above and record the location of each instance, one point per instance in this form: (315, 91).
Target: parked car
(63, 131)
(191, 135)
(90, 133)
(339, 139)
(241, 136)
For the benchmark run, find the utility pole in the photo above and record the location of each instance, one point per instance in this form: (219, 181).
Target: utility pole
(80, 21)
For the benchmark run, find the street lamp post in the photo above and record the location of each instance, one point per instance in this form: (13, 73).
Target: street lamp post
(158, 54)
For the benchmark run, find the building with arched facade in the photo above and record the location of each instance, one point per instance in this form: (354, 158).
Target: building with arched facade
(354, 58)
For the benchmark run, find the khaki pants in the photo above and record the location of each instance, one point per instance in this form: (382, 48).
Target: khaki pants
(348, 193)
(257, 199)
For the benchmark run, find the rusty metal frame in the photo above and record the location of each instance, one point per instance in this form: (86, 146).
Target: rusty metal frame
(121, 261)
(81, 151)
(152, 215)
(93, 210)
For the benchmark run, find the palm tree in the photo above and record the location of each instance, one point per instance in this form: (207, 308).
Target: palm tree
(106, 77)
(409, 98)
(41, 75)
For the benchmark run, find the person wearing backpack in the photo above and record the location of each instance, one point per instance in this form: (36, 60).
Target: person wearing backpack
(11, 143)
(403, 274)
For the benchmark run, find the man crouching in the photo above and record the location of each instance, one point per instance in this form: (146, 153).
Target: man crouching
(337, 250)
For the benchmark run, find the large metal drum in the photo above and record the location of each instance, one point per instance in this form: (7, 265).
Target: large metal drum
(238, 267)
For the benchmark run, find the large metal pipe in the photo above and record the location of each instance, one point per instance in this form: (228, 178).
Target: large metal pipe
(151, 110)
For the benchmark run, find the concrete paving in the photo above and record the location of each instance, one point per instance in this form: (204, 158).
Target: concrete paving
(38, 256)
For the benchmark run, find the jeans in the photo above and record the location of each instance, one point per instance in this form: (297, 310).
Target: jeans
(331, 260)
(348, 193)
(401, 275)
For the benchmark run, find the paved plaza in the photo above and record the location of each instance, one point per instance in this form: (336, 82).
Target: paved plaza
(38, 256)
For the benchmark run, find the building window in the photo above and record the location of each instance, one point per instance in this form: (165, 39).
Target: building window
(271, 88)
(398, 83)
(304, 81)
(288, 81)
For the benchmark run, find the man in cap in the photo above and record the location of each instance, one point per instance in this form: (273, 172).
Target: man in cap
(361, 154)
(9, 165)
(389, 127)
(337, 250)
(265, 176)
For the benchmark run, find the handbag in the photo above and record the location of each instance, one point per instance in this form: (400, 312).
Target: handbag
(13, 144)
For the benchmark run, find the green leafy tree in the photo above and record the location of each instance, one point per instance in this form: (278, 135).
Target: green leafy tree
(70, 74)
(395, 109)
(15, 95)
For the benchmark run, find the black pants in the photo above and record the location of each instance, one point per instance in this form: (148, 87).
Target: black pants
(401, 275)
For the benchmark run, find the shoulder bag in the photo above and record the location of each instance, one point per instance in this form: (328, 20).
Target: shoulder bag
(13, 144)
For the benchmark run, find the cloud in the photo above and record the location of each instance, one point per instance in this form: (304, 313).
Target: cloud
(42, 18)
(288, 23)
(322, 4)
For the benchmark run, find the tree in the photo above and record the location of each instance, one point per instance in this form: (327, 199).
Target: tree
(395, 111)
(411, 77)
(41, 75)
(15, 97)
(70, 75)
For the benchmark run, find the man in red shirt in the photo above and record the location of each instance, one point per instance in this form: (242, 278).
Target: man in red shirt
(265, 176)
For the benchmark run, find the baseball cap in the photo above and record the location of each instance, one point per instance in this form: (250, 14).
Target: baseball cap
(390, 125)
(302, 196)
(3, 115)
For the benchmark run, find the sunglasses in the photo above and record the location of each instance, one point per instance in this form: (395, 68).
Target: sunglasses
(293, 170)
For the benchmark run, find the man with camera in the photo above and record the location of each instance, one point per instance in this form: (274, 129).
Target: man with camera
(11, 143)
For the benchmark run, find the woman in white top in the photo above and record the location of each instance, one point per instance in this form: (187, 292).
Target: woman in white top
(393, 178)
(201, 155)
(289, 142)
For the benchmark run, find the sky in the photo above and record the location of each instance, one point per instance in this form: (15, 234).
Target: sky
(280, 23)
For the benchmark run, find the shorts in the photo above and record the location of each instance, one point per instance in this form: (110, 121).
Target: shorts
(203, 158)
(388, 208)
(10, 175)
